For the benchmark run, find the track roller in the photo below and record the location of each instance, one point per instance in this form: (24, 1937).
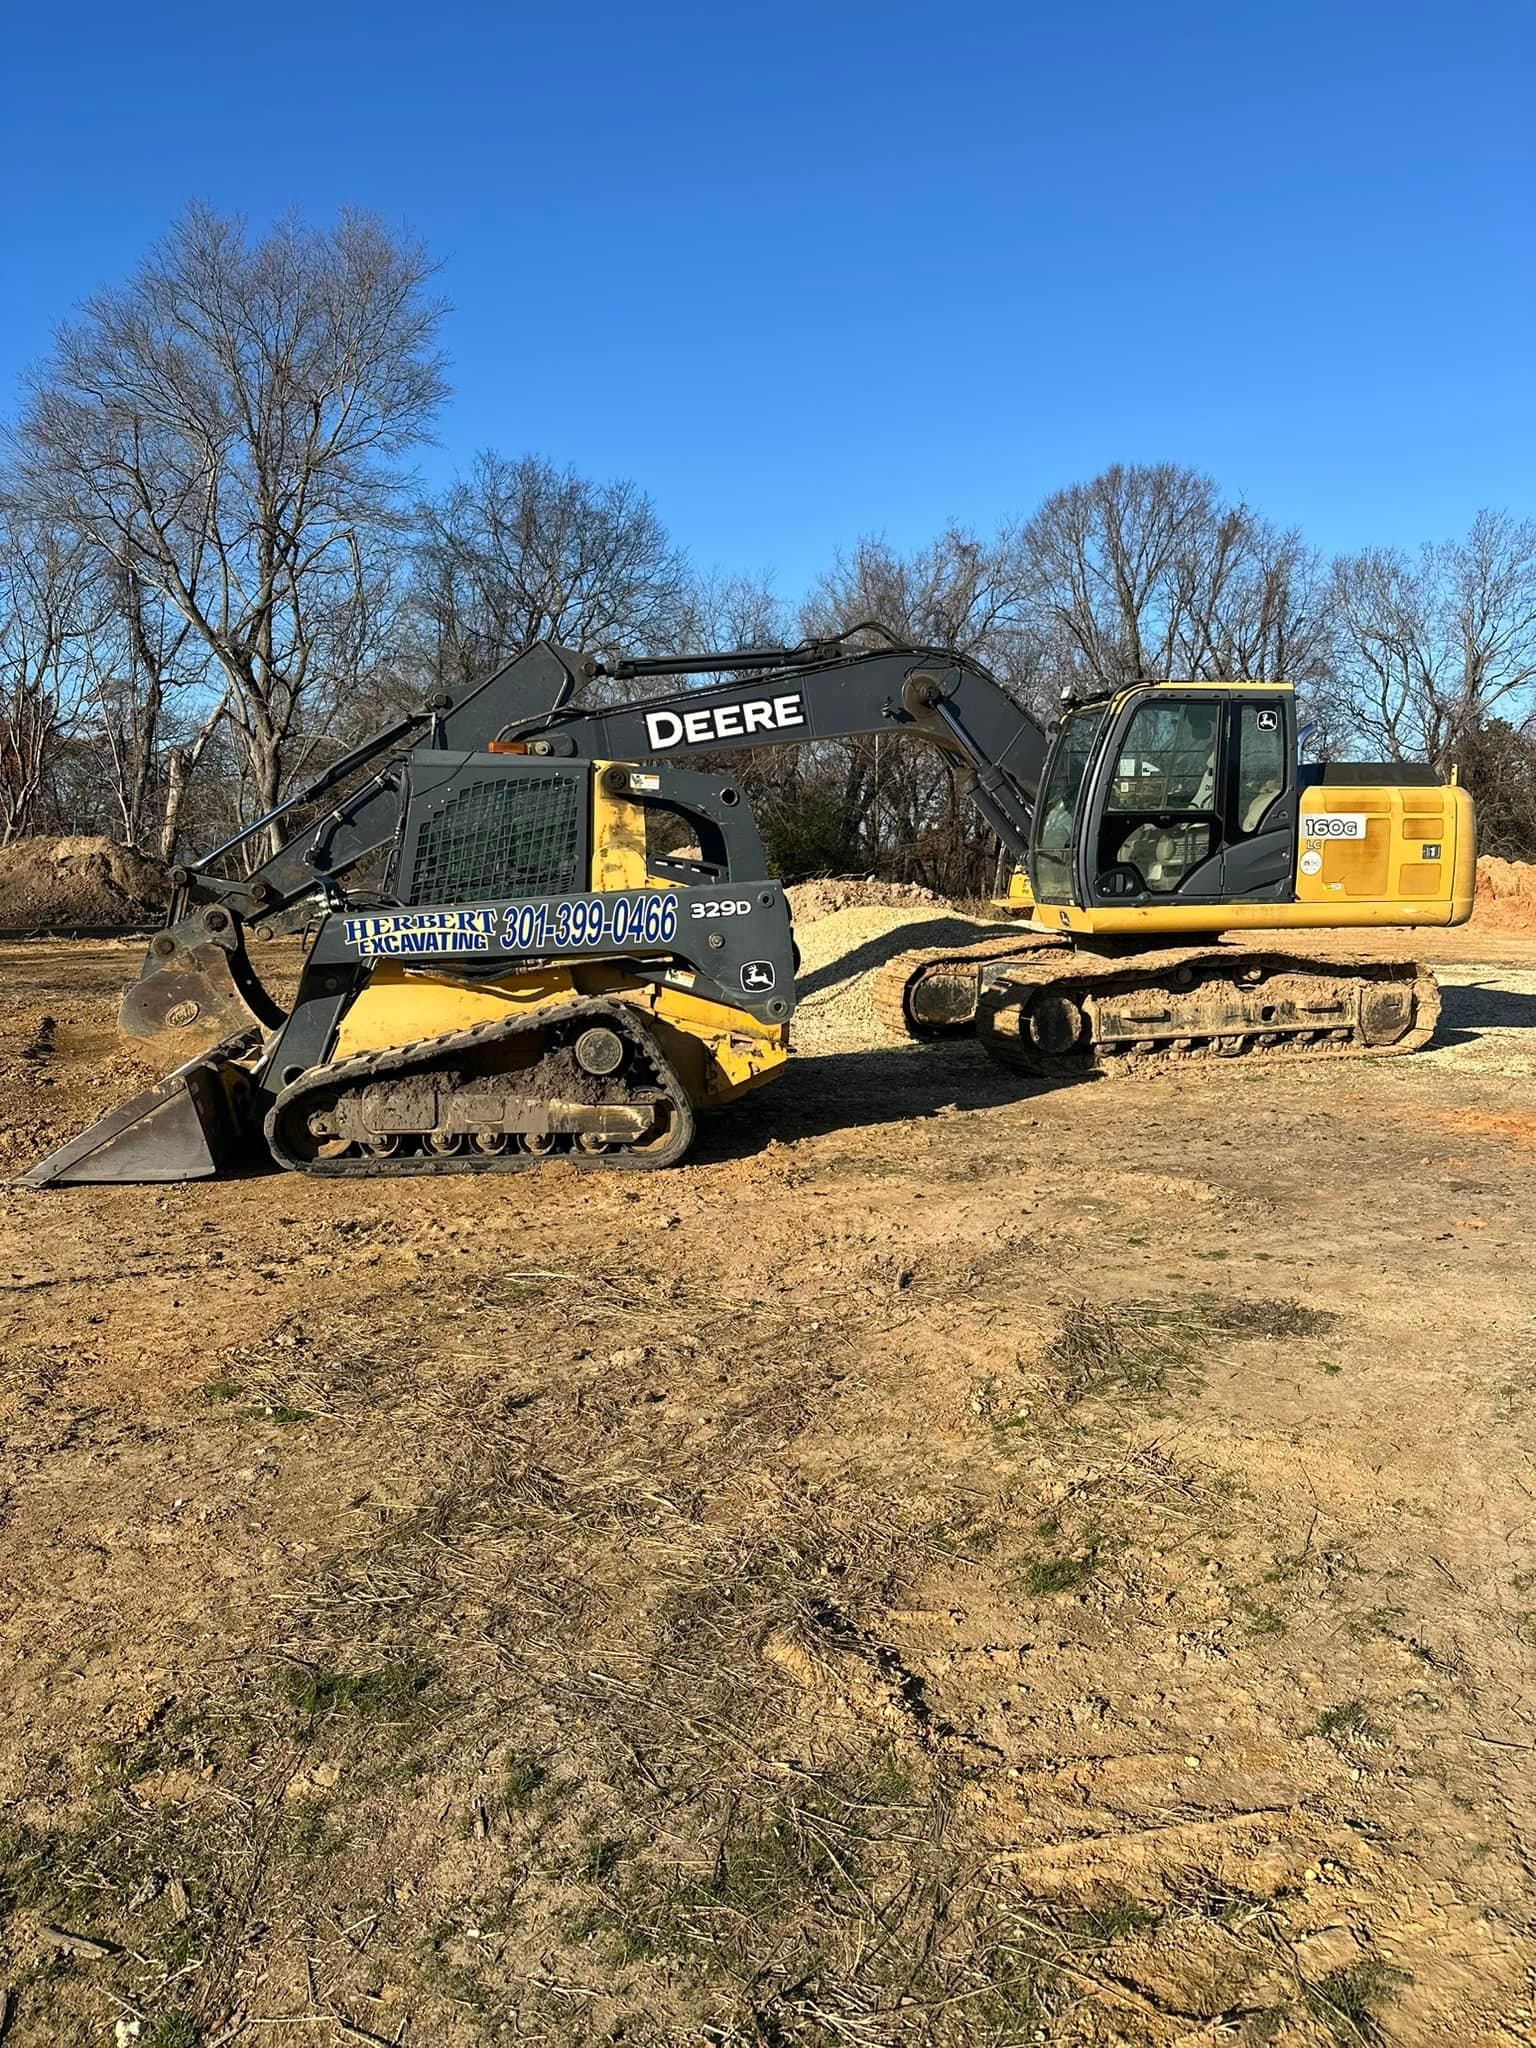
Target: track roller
(1077, 1013)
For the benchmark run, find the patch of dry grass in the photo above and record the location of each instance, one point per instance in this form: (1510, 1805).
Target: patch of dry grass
(1141, 1347)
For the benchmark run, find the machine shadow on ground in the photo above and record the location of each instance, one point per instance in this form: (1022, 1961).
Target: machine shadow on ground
(829, 1092)
(838, 1091)
(923, 934)
(1468, 1011)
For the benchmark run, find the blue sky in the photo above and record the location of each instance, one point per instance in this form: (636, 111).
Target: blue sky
(807, 271)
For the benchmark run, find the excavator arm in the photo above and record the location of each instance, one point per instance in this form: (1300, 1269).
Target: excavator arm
(793, 695)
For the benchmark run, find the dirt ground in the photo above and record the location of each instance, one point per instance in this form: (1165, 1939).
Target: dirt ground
(956, 1563)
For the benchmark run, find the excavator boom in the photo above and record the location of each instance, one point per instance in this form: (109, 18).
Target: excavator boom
(819, 691)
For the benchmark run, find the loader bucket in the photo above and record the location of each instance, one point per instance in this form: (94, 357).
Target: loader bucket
(189, 1126)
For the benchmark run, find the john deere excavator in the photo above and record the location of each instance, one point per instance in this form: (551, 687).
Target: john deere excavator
(506, 965)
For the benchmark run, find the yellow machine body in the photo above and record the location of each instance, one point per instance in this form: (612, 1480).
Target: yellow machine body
(1415, 864)
(718, 1052)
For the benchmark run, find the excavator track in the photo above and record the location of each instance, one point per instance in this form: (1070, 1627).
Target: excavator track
(933, 994)
(598, 1092)
(1071, 1013)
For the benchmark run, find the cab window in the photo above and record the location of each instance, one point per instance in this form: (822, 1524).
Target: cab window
(1160, 811)
(1261, 753)
(1167, 759)
(1059, 800)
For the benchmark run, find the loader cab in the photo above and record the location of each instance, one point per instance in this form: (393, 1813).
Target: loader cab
(1170, 795)
(477, 827)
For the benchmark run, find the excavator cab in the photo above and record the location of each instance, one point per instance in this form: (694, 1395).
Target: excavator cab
(1184, 807)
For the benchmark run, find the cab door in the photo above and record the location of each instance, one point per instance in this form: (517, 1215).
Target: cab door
(1195, 801)
(1259, 860)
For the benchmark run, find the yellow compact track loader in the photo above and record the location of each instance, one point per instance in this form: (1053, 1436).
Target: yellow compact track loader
(506, 963)
(522, 975)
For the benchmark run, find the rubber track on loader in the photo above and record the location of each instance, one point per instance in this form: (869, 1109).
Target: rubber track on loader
(365, 1068)
(1174, 976)
(897, 980)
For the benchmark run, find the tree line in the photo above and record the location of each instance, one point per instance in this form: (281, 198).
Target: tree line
(215, 569)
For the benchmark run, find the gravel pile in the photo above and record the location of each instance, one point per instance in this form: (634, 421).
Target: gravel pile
(841, 955)
(809, 901)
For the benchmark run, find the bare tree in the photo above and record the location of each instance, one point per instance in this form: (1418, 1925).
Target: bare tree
(1250, 602)
(225, 428)
(726, 611)
(960, 591)
(520, 551)
(902, 807)
(155, 696)
(1498, 765)
(1143, 573)
(1430, 647)
(1111, 562)
(45, 612)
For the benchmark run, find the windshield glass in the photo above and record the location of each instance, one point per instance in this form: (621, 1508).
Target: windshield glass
(1058, 805)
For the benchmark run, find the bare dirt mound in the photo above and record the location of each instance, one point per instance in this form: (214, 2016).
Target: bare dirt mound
(828, 894)
(85, 880)
(1506, 893)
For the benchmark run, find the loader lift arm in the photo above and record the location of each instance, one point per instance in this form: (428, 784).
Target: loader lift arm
(364, 819)
(197, 967)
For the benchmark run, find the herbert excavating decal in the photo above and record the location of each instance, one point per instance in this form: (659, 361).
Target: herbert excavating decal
(421, 931)
(620, 921)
